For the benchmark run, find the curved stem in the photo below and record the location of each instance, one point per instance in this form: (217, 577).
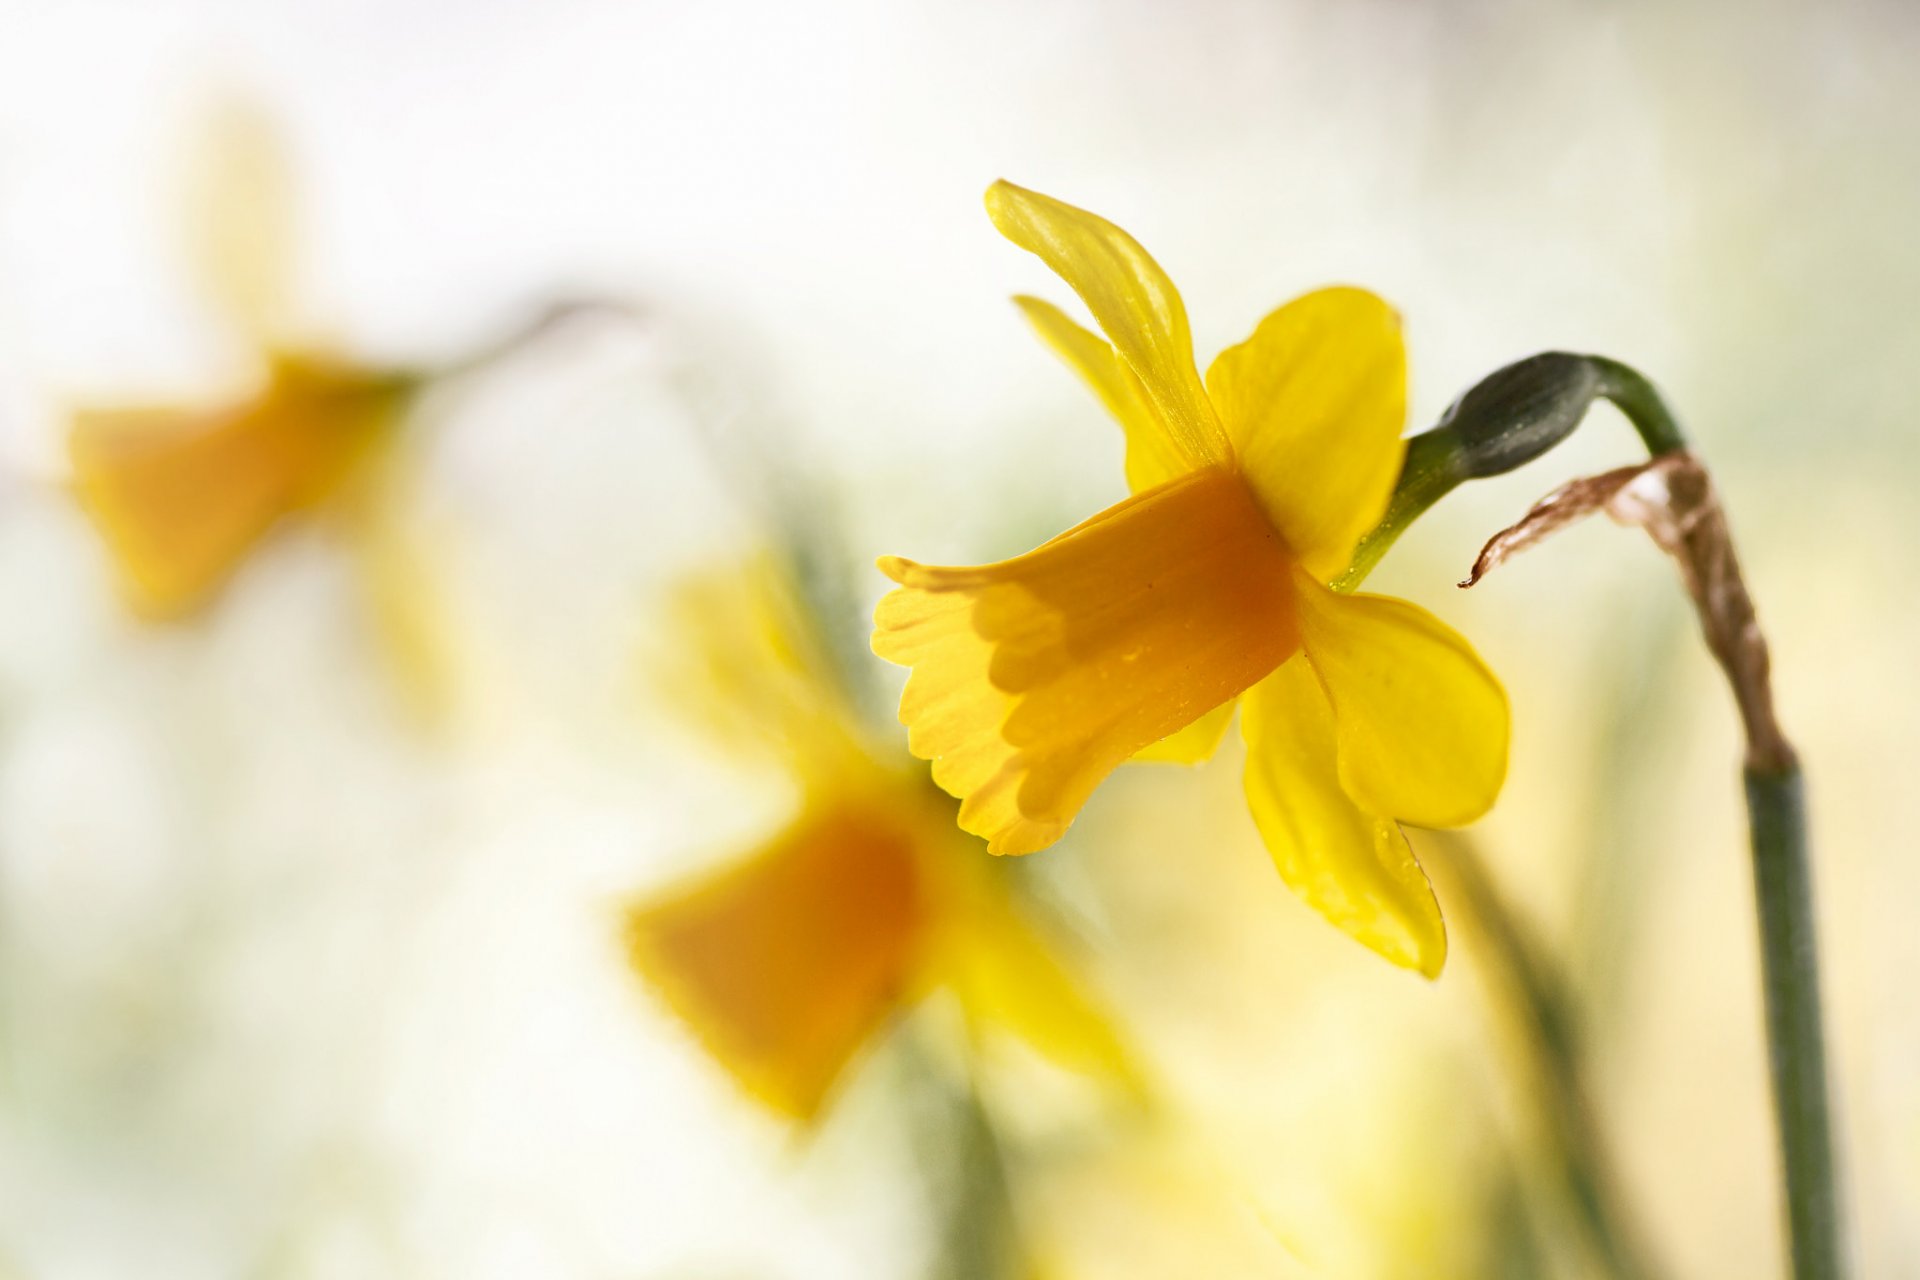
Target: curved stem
(530, 331)
(1642, 404)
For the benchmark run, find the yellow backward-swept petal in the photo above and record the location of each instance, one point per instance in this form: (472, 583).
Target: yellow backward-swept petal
(1132, 300)
(408, 608)
(1008, 978)
(240, 220)
(1194, 744)
(741, 659)
(1350, 864)
(1314, 403)
(1422, 723)
(1152, 455)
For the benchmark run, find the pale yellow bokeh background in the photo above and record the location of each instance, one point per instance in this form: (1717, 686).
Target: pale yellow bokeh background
(293, 984)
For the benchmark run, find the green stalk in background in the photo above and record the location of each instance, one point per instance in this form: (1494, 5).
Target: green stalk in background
(1514, 416)
(1535, 1009)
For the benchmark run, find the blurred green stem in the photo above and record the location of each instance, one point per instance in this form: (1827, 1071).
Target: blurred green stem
(981, 1240)
(960, 1147)
(534, 329)
(1525, 984)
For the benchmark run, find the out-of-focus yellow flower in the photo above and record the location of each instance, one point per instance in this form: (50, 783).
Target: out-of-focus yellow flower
(1134, 633)
(793, 958)
(182, 494)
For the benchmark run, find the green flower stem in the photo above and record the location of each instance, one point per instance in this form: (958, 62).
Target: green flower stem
(1507, 420)
(1790, 973)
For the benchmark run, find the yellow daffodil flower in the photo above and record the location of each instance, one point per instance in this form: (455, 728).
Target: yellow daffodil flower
(182, 494)
(1134, 633)
(793, 958)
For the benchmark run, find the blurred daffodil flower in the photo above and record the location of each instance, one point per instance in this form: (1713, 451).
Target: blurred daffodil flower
(181, 494)
(1134, 633)
(791, 959)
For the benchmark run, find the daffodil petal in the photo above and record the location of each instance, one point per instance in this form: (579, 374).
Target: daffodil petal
(407, 606)
(1314, 403)
(1152, 458)
(787, 964)
(741, 661)
(1422, 722)
(1009, 979)
(1034, 678)
(241, 219)
(1134, 303)
(1194, 744)
(1350, 864)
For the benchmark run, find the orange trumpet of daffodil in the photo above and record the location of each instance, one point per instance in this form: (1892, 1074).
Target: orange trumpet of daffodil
(793, 958)
(1135, 633)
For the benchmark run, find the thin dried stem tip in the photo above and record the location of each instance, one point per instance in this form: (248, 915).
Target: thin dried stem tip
(1672, 497)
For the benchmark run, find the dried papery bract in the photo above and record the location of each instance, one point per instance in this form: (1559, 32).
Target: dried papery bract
(1672, 497)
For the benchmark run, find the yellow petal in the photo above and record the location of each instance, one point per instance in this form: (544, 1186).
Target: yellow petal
(1314, 402)
(787, 964)
(1134, 303)
(1352, 866)
(181, 497)
(1152, 457)
(407, 606)
(1194, 744)
(1422, 722)
(1008, 978)
(742, 661)
(240, 220)
(1034, 678)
